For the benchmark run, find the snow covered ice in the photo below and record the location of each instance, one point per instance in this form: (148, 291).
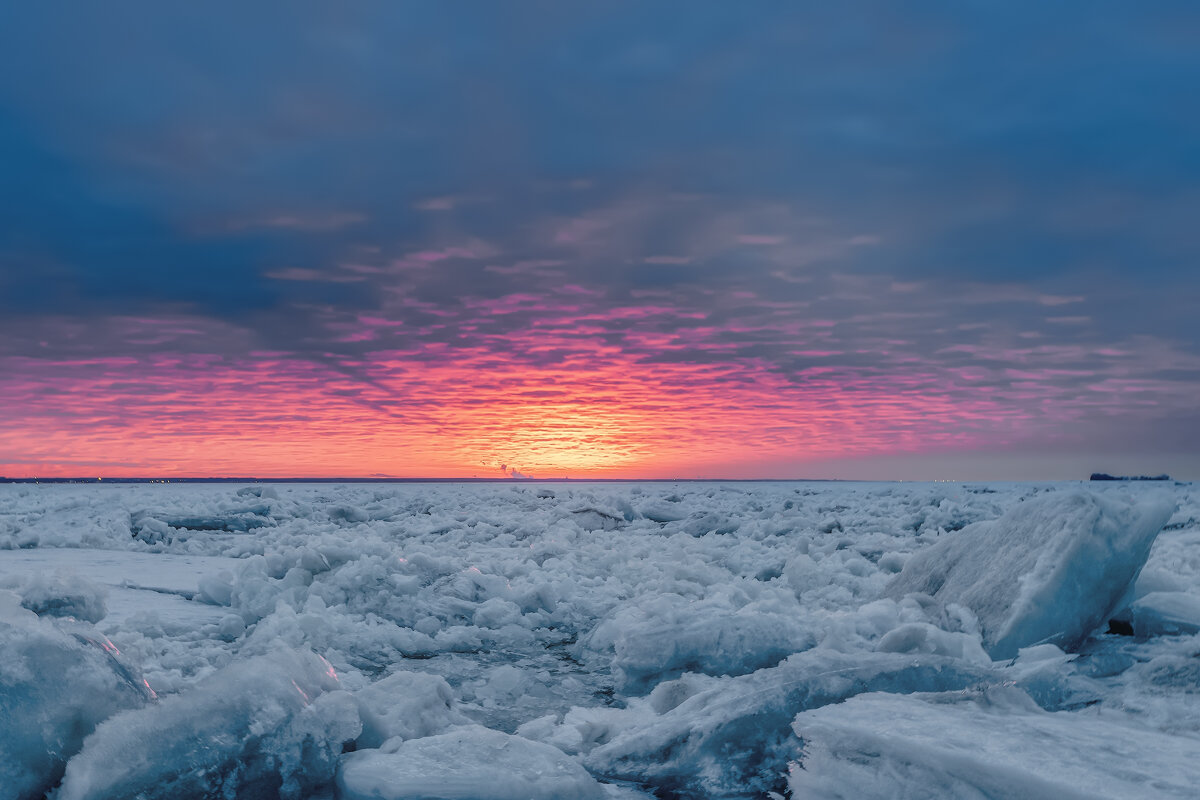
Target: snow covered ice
(468, 762)
(995, 743)
(269, 724)
(599, 640)
(57, 682)
(1050, 570)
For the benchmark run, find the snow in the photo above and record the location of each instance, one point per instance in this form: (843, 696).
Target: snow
(597, 640)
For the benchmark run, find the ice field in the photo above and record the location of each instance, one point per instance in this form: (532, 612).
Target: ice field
(589, 640)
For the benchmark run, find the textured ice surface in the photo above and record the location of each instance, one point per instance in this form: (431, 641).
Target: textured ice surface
(626, 638)
(406, 705)
(267, 726)
(470, 763)
(1165, 613)
(1051, 569)
(59, 595)
(57, 682)
(653, 641)
(995, 743)
(729, 737)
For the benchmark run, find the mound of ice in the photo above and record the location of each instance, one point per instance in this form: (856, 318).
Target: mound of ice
(921, 637)
(663, 637)
(470, 763)
(59, 594)
(271, 726)
(1051, 569)
(57, 682)
(729, 737)
(996, 743)
(406, 705)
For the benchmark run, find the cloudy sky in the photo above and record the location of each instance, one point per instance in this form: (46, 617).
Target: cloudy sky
(918, 240)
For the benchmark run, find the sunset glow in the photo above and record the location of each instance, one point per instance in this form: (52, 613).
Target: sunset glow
(587, 410)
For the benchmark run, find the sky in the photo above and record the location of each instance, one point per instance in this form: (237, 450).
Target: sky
(649, 240)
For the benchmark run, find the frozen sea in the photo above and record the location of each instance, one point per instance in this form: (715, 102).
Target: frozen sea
(600, 640)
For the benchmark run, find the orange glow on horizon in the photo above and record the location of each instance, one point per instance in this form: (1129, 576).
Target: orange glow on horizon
(597, 414)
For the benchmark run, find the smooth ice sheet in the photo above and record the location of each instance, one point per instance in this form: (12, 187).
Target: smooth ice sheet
(994, 744)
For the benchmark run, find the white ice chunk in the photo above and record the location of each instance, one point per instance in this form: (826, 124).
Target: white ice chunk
(273, 721)
(994, 744)
(59, 594)
(1051, 569)
(666, 636)
(216, 589)
(1156, 579)
(662, 511)
(470, 763)
(921, 637)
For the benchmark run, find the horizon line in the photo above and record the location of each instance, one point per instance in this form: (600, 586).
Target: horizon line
(565, 479)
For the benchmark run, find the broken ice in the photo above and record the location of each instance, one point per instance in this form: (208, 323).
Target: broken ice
(599, 640)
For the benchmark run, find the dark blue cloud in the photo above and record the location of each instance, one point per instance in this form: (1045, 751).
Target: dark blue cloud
(235, 162)
(892, 116)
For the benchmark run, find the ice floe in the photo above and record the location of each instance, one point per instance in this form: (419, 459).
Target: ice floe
(697, 640)
(992, 743)
(1051, 569)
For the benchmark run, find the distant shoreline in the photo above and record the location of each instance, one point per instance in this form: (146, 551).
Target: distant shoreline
(518, 481)
(441, 480)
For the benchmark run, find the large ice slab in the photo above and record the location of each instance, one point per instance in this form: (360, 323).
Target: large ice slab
(1166, 613)
(273, 726)
(470, 763)
(57, 682)
(165, 573)
(1051, 569)
(995, 744)
(728, 737)
(133, 583)
(59, 595)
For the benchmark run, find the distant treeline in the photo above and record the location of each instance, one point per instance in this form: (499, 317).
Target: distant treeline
(1104, 476)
